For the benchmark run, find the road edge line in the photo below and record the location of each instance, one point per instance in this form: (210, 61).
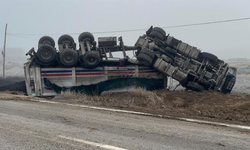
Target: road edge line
(147, 114)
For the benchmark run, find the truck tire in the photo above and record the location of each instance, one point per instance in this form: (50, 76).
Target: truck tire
(145, 59)
(195, 86)
(38, 62)
(46, 54)
(159, 30)
(68, 57)
(156, 34)
(48, 40)
(65, 38)
(229, 84)
(86, 35)
(148, 52)
(211, 57)
(90, 59)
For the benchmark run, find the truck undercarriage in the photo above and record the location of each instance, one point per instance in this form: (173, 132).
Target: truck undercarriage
(93, 69)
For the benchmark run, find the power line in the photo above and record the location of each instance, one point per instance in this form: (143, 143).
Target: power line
(134, 30)
(206, 23)
(178, 26)
(21, 36)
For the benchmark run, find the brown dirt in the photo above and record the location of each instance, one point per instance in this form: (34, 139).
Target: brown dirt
(233, 108)
(230, 108)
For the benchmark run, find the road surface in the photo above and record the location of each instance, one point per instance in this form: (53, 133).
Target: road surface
(34, 125)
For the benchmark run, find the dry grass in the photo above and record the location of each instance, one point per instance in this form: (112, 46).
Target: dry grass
(13, 95)
(79, 97)
(67, 95)
(139, 97)
(142, 97)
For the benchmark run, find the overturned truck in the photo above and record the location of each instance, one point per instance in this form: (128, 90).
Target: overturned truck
(93, 69)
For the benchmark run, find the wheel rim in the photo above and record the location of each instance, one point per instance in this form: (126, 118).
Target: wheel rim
(68, 58)
(46, 54)
(91, 59)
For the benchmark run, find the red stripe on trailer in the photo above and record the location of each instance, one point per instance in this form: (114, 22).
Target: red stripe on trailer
(54, 75)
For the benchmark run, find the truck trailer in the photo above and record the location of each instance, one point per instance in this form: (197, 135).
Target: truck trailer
(92, 68)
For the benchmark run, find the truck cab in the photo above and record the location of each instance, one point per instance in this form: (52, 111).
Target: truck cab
(194, 69)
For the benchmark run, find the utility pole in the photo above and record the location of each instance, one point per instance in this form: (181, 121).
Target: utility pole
(4, 50)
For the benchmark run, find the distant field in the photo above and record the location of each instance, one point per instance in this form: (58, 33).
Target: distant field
(243, 75)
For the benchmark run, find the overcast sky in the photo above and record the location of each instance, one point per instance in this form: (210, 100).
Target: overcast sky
(28, 20)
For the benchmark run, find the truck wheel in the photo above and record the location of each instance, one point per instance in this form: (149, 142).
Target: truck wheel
(68, 57)
(46, 40)
(37, 61)
(46, 54)
(229, 84)
(159, 30)
(65, 38)
(195, 86)
(205, 55)
(144, 59)
(148, 52)
(86, 35)
(156, 34)
(90, 59)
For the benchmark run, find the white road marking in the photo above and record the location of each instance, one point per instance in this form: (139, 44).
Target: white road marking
(98, 108)
(216, 123)
(99, 145)
(148, 114)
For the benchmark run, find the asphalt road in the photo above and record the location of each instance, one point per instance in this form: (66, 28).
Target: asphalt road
(33, 125)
